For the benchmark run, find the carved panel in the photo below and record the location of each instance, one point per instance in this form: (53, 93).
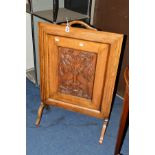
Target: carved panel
(76, 72)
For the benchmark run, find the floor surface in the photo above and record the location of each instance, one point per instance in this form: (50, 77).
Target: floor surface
(62, 132)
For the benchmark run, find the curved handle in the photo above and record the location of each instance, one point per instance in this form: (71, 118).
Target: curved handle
(82, 23)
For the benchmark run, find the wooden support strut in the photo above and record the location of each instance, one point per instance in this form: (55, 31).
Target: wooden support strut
(40, 111)
(105, 122)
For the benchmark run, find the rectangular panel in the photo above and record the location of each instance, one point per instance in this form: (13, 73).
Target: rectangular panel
(74, 69)
(76, 72)
(106, 46)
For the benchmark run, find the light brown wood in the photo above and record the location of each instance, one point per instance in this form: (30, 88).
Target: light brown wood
(75, 108)
(111, 73)
(77, 44)
(83, 24)
(105, 122)
(100, 76)
(40, 111)
(78, 69)
(82, 34)
(100, 49)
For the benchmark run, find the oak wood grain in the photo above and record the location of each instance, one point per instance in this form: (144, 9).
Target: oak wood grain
(81, 60)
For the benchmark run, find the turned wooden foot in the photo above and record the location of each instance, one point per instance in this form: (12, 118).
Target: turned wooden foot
(40, 110)
(105, 122)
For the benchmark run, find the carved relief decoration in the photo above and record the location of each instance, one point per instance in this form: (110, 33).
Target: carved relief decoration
(76, 72)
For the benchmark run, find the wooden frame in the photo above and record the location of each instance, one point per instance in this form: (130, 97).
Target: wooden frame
(124, 120)
(107, 47)
(93, 47)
